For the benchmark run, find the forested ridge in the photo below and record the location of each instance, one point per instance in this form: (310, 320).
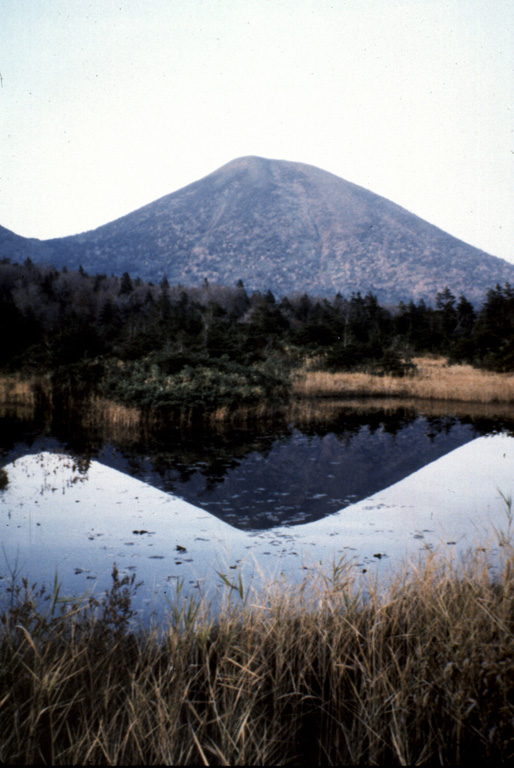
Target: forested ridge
(164, 347)
(280, 225)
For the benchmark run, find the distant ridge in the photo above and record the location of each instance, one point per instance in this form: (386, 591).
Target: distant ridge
(277, 225)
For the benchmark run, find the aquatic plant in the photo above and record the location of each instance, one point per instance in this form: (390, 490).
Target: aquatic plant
(418, 672)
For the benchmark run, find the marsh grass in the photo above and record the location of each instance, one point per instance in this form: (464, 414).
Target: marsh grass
(419, 672)
(120, 422)
(304, 411)
(433, 379)
(434, 386)
(18, 391)
(113, 420)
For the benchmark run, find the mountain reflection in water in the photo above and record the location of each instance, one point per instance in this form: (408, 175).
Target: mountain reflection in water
(288, 476)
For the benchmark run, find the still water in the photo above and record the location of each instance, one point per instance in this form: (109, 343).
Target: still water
(175, 509)
(287, 476)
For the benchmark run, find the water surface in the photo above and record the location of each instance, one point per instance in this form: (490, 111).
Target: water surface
(255, 481)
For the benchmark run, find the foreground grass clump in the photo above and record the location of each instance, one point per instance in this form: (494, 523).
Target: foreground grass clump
(419, 673)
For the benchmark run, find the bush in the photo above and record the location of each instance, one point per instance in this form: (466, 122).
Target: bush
(199, 388)
(350, 357)
(393, 363)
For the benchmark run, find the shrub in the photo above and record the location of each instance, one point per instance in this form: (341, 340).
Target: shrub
(201, 388)
(393, 363)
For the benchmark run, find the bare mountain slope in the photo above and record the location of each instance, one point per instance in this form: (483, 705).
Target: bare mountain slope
(286, 226)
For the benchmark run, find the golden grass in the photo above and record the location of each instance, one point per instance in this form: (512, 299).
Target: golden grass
(433, 380)
(311, 410)
(420, 672)
(118, 420)
(436, 388)
(243, 415)
(24, 394)
(17, 391)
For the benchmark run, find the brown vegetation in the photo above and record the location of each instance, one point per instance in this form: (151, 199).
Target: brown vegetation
(305, 411)
(17, 391)
(115, 419)
(418, 673)
(434, 388)
(434, 379)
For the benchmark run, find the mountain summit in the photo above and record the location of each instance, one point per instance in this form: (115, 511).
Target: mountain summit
(281, 225)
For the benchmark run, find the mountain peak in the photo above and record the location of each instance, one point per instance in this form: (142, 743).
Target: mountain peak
(247, 162)
(284, 226)
(256, 169)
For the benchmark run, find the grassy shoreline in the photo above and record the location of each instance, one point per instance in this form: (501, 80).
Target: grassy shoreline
(435, 388)
(434, 379)
(420, 673)
(23, 394)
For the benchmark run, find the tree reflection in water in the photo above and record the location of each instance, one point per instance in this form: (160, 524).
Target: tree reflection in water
(294, 473)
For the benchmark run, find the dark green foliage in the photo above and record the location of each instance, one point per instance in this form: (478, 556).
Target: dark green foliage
(414, 324)
(19, 330)
(4, 479)
(350, 357)
(394, 363)
(78, 340)
(446, 315)
(126, 286)
(493, 333)
(370, 357)
(169, 347)
(76, 381)
(204, 386)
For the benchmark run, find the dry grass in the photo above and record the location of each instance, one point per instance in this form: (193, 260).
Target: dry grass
(244, 415)
(304, 411)
(433, 389)
(116, 420)
(16, 391)
(23, 395)
(433, 380)
(419, 673)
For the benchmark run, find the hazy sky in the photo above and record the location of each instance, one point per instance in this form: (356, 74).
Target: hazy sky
(106, 106)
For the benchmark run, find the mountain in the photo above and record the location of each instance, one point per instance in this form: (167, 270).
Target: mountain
(285, 226)
(19, 248)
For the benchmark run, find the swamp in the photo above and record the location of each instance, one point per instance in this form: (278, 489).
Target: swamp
(80, 500)
(242, 531)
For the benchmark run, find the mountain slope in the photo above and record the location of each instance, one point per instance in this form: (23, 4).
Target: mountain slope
(285, 226)
(19, 248)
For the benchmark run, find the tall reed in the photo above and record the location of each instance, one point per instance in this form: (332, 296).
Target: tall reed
(418, 672)
(21, 391)
(434, 379)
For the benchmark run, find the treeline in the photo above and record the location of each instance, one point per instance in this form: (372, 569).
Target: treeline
(165, 346)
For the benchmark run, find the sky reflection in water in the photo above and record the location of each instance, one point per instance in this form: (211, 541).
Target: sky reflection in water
(253, 495)
(286, 477)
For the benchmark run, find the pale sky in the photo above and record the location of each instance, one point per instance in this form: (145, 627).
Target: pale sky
(106, 106)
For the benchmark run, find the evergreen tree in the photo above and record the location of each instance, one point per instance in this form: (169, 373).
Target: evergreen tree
(126, 286)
